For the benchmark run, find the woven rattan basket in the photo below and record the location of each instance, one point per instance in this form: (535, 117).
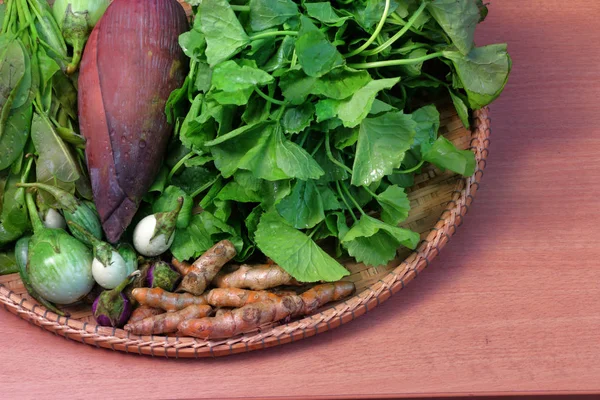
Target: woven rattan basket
(439, 202)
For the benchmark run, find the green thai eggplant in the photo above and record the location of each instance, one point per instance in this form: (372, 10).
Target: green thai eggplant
(59, 266)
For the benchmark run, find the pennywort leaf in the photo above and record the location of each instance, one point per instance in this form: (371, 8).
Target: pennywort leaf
(382, 143)
(446, 156)
(294, 251)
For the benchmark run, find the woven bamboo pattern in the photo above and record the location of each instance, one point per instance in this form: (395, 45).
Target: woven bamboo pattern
(439, 203)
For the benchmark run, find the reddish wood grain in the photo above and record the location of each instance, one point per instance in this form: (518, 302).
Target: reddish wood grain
(512, 305)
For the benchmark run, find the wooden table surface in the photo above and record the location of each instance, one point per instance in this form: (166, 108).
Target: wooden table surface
(512, 305)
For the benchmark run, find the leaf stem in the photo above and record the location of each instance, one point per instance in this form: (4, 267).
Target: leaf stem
(353, 200)
(339, 190)
(390, 63)
(375, 34)
(265, 35)
(240, 8)
(413, 169)
(204, 187)
(332, 158)
(269, 98)
(370, 191)
(294, 59)
(318, 146)
(399, 34)
(179, 164)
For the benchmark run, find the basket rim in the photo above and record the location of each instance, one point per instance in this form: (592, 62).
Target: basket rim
(375, 294)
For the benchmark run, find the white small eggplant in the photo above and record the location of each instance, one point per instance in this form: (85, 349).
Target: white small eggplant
(53, 219)
(109, 268)
(154, 234)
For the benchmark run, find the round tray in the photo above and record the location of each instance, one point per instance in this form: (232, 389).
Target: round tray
(439, 202)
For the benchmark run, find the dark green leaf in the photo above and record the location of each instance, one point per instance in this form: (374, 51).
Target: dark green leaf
(295, 86)
(369, 13)
(282, 56)
(194, 179)
(296, 119)
(203, 231)
(267, 13)
(330, 199)
(325, 13)
(316, 54)
(161, 180)
(345, 137)
(461, 109)
(483, 72)
(428, 124)
(262, 149)
(446, 156)
(15, 134)
(295, 252)
(341, 83)
(382, 142)
(374, 242)
(223, 32)
(231, 77)
(236, 192)
(458, 18)
(303, 208)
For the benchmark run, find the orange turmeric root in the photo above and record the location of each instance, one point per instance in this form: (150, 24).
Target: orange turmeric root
(222, 310)
(254, 315)
(159, 298)
(204, 269)
(181, 266)
(167, 322)
(234, 297)
(143, 312)
(255, 277)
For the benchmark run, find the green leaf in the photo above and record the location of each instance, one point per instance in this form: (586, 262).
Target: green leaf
(251, 147)
(374, 242)
(303, 208)
(203, 77)
(15, 134)
(294, 160)
(53, 152)
(161, 180)
(257, 110)
(354, 109)
(14, 215)
(330, 199)
(267, 13)
(461, 109)
(345, 137)
(168, 202)
(458, 18)
(295, 86)
(369, 13)
(341, 83)
(446, 156)
(382, 143)
(224, 34)
(262, 149)
(295, 252)
(23, 91)
(324, 13)
(231, 77)
(395, 205)
(316, 54)
(296, 119)
(236, 192)
(333, 172)
(203, 231)
(428, 124)
(193, 44)
(282, 56)
(194, 179)
(483, 72)
(402, 180)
